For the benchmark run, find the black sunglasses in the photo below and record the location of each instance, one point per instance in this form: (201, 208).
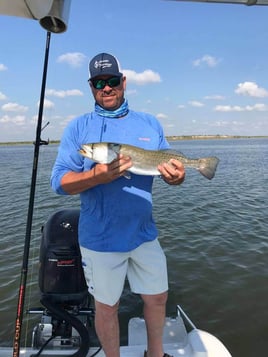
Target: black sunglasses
(101, 83)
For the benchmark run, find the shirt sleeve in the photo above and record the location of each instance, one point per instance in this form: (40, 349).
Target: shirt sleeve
(163, 143)
(68, 158)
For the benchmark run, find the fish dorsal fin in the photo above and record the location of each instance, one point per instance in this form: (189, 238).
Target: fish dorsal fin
(172, 151)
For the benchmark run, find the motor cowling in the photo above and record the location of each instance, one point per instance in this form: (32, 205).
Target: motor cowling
(61, 276)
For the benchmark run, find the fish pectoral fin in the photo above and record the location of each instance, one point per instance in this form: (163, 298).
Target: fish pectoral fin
(82, 152)
(127, 175)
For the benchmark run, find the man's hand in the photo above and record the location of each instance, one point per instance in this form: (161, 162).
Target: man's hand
(106, 173)
(172, 172)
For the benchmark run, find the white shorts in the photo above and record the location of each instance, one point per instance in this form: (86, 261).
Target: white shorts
(105, 272)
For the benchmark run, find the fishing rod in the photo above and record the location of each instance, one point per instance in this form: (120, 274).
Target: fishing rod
(38, 142)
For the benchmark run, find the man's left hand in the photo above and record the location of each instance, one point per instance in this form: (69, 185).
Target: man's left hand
(172, 172)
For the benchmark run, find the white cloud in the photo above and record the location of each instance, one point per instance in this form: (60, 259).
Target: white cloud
(131, 92)
(208, 60)
(3, 67)
(74, 59)
(251, 89)
(5, 119)
(2, 96)
(195, 103)
(228, 108)
(214, 97)
(48, 104)
(66, 120)
(18, 119)
(147, 76)
(161, 116)
(260, 107)
(236, 108)
(14, 107)
(64, 93)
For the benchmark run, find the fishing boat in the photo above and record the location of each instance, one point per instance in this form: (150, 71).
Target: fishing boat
(177, 341)
(66, 326)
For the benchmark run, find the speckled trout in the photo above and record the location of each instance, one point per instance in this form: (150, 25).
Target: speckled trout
(145, 162)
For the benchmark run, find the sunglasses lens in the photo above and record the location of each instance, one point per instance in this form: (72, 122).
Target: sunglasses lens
(113, 82)
(101, 83)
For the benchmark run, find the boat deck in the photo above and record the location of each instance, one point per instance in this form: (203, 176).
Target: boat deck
(177, 343)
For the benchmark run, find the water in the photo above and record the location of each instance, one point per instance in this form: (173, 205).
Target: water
(214, 234)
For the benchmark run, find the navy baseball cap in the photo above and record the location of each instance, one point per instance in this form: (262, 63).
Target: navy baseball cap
(104, 64)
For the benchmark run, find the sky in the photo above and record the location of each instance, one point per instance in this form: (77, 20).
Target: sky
(200, 68)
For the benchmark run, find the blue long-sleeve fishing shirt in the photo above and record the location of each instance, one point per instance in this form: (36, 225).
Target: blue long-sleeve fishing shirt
(116, 216)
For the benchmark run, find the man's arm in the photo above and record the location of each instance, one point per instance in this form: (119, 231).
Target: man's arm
(75, 182)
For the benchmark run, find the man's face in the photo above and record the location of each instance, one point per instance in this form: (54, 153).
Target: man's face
(111, 96)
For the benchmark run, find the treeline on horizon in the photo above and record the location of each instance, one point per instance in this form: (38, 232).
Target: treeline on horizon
(168, 137)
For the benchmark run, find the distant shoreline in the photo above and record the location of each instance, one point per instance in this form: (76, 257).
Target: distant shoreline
(169, 138)
(207, 137)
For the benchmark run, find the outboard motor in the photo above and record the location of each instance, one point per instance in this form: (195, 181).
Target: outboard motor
(61, 276)
(64, 291)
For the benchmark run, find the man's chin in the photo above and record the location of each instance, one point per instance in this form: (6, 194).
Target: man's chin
(109, 103)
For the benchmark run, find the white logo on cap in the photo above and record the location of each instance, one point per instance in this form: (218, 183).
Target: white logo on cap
(102, 64)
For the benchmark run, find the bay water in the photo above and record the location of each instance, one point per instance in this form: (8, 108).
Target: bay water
(214, 233)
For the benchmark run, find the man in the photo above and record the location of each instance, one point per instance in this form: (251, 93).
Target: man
(117, 233)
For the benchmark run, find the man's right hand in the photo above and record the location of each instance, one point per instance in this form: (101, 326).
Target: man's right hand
(106, 173)
(77, 182)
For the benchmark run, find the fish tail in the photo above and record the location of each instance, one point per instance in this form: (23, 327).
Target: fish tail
(207, 167)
